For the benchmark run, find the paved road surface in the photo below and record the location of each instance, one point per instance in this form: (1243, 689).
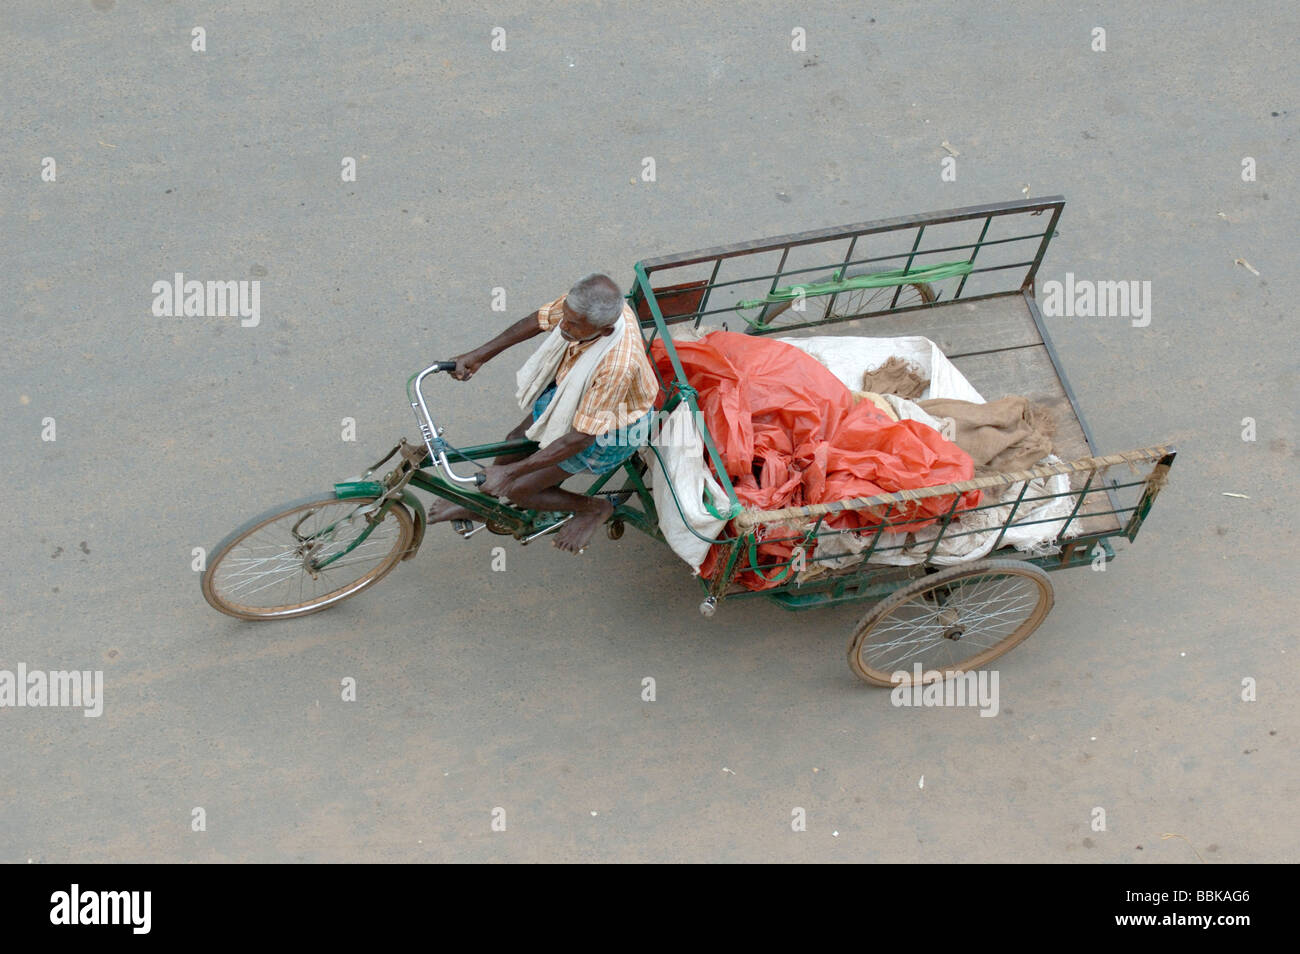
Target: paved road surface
(520, 169)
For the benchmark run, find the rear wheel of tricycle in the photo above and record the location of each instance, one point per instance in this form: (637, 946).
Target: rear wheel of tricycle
(952, 621)
(269, 568)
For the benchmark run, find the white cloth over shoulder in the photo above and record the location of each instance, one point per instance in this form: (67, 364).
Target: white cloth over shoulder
(682, 449)
(539, 371)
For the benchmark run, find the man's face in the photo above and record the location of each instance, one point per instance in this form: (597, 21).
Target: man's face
(576, 327)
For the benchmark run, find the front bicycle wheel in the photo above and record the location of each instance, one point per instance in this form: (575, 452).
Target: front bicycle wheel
(286, 563)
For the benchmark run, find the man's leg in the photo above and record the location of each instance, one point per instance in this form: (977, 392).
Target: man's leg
(446, 510)
(541, 490)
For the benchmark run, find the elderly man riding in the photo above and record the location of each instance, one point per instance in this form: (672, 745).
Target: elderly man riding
(590, 391)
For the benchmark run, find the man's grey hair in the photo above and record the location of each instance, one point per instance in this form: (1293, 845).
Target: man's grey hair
(597, 299)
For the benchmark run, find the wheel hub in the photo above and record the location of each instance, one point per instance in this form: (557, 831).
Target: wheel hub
(306, 552)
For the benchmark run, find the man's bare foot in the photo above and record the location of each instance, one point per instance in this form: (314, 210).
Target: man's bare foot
(446, 510)
(576, 534)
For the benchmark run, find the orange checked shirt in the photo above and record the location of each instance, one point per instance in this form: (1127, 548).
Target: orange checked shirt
(622, 388)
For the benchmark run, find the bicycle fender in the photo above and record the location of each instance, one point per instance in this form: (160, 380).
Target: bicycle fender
(358, 488)
(421, 521)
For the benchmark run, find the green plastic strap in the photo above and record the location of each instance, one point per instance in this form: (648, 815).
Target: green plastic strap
(809, 537)
(678, 503)
(732, 510)
(753, 564)
(901, 276)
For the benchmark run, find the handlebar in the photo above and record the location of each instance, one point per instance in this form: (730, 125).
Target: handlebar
(429, 430)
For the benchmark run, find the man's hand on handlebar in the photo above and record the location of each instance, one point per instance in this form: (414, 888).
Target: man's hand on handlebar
(466, 365)
(496, 479)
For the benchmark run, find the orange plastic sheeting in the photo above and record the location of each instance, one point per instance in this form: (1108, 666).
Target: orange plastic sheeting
(790, 434)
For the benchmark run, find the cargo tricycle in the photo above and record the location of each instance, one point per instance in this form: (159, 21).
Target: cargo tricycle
(963, 278)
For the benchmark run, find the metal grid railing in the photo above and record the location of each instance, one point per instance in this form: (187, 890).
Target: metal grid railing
(892, 520)
(902, 246)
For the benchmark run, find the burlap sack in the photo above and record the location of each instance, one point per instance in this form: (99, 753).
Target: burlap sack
(895, 376)
(1004, 435)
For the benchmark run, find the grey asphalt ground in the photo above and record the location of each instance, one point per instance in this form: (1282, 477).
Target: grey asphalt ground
(520, 169)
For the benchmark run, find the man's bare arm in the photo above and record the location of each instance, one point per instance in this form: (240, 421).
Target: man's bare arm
(500, 476)
(471, 361)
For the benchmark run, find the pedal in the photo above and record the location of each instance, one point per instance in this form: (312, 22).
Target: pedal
(551, 528)
(463, 527)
